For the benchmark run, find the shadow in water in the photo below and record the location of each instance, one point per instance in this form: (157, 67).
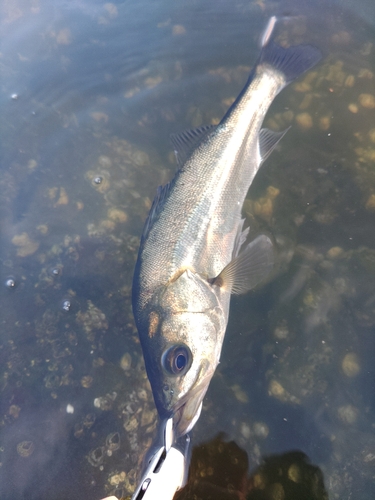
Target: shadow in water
(219, 470)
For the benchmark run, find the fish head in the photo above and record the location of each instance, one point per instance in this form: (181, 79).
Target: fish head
(182, 348)
(187, 365)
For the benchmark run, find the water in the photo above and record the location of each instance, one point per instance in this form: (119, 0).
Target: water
(90, 93)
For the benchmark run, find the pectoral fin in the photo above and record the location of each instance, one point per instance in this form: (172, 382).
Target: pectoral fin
(249, 268)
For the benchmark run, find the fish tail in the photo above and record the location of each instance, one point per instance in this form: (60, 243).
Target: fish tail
(269, 29)
(291, 61)
(267, 32)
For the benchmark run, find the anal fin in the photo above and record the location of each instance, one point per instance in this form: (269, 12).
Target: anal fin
(268, 140)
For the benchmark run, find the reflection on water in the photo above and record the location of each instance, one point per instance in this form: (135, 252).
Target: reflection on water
(219, 470)
(90, 92)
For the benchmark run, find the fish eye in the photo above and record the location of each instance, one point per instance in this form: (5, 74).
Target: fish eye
(176, 360)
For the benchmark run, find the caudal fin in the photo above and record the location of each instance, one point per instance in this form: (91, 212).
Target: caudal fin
(291, 61)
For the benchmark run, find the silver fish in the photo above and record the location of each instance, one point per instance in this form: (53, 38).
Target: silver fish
(193, 255)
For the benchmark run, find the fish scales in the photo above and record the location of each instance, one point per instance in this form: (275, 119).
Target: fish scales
(213, 191)
(192, 254)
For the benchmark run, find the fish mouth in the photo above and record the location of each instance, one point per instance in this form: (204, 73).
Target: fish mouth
(188, 409)
(184, 420)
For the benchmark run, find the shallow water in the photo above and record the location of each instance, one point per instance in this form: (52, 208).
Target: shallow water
(90, 93)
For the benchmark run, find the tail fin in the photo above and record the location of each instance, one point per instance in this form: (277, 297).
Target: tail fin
(291, 61)
(267, 32)
(269, 29)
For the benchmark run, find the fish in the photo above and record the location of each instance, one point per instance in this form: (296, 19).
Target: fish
(193, 251)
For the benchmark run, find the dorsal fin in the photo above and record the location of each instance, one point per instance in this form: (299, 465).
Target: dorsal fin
(184, 142)
(156, 206)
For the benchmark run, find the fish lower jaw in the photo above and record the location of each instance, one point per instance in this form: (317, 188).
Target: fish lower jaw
(184, 420)
(195, 418)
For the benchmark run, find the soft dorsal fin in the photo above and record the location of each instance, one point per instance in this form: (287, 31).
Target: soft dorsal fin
(184, 142)
(249, 268)
(268, 140)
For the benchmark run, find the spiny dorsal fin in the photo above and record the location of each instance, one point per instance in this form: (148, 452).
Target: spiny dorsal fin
(249, 268)
(184, 142)
(268, 140)
(157, 204)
